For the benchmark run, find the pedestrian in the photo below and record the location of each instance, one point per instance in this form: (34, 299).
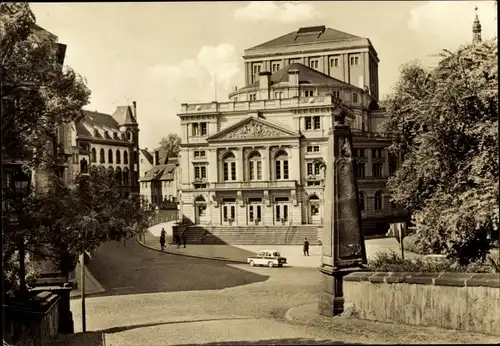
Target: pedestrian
(183, 239)
(163, 237)
(178, 240)
(306, 247)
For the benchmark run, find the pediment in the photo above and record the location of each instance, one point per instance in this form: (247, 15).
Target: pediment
(253, 128)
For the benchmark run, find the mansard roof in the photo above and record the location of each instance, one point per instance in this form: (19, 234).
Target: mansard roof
(253, 128)
(307, 76)
(124, 115)
(315, 34)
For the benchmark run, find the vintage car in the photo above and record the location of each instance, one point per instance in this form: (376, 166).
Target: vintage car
(270, 258)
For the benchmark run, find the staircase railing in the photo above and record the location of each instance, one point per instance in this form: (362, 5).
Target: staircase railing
(288, 231)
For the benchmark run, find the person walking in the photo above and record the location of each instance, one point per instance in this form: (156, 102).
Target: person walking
(163, 237)
(183, 235)
(306, 247)
(178, 239)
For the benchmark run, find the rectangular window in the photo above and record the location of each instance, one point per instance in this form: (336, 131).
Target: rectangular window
(309, 149)
(317, 122)
(203, 129)
(250, 213)
(278, 170)
(336, 94)
(259, 170)
(313, 63)
(308, 93)
(285, 212)
(308, 123)
(251, 165)
(253, 97)
(275, 67)
(377, 170)
(316, 168)
(285, 169)
(359, 170)
(197, 173)
(226, 171)
(233, 212)
(354, 60)
(278, 214)
(258, 213)
(354, 97)
(233, 171)
(196, 131)
(316, 148)
(224, 213)
(199, 153)
(309, 168)
(203, 172)
(334, 62)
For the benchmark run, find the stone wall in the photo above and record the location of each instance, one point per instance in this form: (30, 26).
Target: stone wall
(462, 301)
(35, 323)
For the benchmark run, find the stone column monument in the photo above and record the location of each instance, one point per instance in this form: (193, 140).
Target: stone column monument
(343, 243)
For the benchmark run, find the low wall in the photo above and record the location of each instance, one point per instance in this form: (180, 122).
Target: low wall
(461, 301)
(35, 323)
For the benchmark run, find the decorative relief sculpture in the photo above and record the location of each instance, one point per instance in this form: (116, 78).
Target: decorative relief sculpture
(254, 129)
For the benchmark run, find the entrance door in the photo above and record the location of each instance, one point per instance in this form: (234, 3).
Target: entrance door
(314, 210)
(200, 210)
(228, 210)
(281, 210)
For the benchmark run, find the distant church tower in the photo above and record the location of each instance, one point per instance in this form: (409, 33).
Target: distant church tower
(476, 29)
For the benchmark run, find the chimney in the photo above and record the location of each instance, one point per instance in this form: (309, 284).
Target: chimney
(293, 77)
(134, 104)
(264, 80)
(157, 157)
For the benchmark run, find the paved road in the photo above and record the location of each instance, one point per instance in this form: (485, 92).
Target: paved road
(154, 298)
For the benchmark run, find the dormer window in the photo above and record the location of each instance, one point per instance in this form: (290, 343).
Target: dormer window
(122, 136)
(115, 135)
(106, 134)
(96, 133)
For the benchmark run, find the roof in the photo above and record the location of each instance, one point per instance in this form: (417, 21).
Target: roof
(307, 75)
(147, 155)
(124, 115)
(314, 34)
(100, 119)
(160, 172)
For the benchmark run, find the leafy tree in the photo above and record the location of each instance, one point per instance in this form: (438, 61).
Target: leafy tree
(445, 123)
(171, 144)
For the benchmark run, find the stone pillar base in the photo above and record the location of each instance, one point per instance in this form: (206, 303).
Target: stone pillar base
(331, 302)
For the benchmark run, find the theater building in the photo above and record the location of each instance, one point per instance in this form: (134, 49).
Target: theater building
(251, 168)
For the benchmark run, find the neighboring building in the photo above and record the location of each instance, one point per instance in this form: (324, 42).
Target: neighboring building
(146, 160)
(255, 162)
(110, 142)
(160, 182)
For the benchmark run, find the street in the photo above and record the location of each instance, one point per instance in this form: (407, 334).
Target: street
(154, 298)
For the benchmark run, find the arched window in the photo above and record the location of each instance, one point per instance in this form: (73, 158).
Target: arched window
(125, 157)
(314, 205)
(110, 156)
(281, 165)
(378, 200)
(129, 135)
(362, 198)
(125, 176)
(229, 167)
(93, 158)
(118, 157)
(118, 175)
(83, 166)
(101, 156)
(255, 166)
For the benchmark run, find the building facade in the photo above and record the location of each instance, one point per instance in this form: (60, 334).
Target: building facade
(256, 162)
(110, 142)
(160, 184)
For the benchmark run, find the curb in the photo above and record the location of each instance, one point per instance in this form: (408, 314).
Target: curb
(93, 281)
(187, 255)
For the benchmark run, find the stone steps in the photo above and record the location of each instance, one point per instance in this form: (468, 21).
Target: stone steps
(273, 235)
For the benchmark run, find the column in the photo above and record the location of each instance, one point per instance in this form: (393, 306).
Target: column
(368, 171)
(213, 164)
(294, 167)
(184, 165)
(239, 164)
(385, 169)
(265, 164)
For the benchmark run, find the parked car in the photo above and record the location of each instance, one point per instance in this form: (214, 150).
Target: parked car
(270, 258)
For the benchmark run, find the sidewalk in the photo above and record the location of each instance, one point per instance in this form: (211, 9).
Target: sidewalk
(371, 332)
(92, 286)
(239, 253)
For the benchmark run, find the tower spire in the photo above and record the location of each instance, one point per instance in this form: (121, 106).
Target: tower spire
(476, 29)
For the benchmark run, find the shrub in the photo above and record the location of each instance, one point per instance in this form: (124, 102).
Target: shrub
(392, 262)
(10, 271)
(410, 243)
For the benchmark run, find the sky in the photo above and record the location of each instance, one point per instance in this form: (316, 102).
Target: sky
(165, 54)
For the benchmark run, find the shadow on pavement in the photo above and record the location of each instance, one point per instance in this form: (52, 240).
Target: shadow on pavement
(78, 339)
(145, 325)
(133, 269)
(292, 341)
